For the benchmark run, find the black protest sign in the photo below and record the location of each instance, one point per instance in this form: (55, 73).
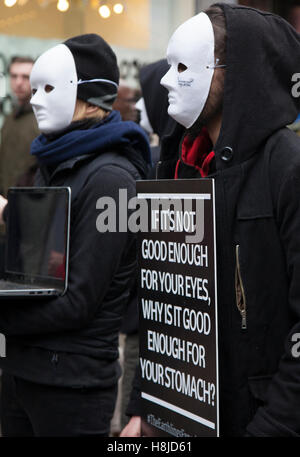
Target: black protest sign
(178, 309)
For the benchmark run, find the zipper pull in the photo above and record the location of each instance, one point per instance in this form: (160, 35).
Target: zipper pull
(157, 168)
(54, 358)
(240, 292)
(244, 320)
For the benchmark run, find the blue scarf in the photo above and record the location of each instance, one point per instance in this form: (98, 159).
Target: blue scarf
(106, 135)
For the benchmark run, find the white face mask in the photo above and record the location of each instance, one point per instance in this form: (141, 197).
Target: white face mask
(54, 89)
(190, 54)
(144, 122)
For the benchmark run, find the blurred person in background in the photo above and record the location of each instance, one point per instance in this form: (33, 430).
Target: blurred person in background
(125, 104)
(154, 119)
(153, 106)
(17, 166)
(126, 100)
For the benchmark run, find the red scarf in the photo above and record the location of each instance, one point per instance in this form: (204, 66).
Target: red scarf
(197, 153)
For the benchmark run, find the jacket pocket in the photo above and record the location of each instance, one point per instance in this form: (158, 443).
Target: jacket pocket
(240, 291)
(258, 387)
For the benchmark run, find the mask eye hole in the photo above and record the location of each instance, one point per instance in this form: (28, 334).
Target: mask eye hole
(33, 91)
(48, 88)
(181, 67)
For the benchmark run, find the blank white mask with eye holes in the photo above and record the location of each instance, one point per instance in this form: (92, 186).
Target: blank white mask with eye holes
(54, 89)
(190, 55)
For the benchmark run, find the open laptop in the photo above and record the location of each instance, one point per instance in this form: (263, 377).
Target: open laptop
(37, 241)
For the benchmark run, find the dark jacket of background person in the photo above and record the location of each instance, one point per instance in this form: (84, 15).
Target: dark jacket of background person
(72, 340)
(156, 97)
(156, 103)
(257, 182)
(17, 166)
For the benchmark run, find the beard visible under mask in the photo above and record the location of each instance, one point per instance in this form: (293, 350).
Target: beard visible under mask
(213, 106)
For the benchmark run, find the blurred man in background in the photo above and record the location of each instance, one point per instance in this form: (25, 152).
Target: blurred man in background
(17, 166)
(125, 104)
(126, 100)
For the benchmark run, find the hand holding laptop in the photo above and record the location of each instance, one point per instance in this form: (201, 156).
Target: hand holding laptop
(3, 203)
(36, 242)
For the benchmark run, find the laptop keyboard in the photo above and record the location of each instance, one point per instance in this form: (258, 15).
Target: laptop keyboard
(8, 285)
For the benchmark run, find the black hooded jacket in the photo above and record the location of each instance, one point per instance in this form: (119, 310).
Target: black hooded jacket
(156, 97)
(156, 102)
(72, 340)
(257, 181)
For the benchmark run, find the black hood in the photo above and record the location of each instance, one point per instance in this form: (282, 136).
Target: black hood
(156, 97)
(262, 54)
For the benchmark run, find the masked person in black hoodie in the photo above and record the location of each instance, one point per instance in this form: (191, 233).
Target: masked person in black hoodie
(61, 370)
(154, 114)
(230, 87)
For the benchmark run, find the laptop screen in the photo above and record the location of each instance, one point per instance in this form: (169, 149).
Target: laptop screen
(37, 235)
